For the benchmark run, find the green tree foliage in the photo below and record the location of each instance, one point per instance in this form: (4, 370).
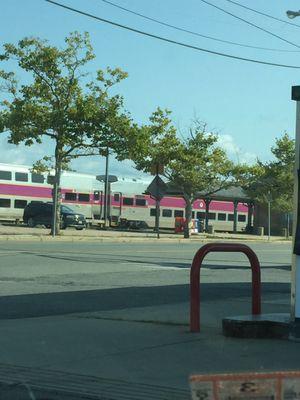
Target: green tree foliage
(273, 180)
(60, 102)
(156, 143)
(195, 165)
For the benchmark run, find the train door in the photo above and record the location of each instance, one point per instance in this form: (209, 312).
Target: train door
(97, 207)
(115, 208)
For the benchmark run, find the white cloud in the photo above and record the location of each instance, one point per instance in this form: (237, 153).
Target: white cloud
(21, 154)
(234, 152)
(27, 155)
(96, 165)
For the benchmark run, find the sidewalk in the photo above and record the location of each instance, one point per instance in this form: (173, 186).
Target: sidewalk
(137, 353)
(12, 232)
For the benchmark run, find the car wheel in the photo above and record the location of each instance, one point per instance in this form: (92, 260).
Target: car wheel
(80, 228)
(31, 223)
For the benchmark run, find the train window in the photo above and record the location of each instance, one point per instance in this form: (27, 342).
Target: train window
(37, 178)
(211, 215)
(230, 217)
(5, 203)
(152, 212)
(83, 197)
(5, 175)
(21, 177)
(127, 201)
(179, 213)
(70, 196)
(140, 202)
(166, 213)
(242, 218)
(221, 217)
(117, 197)
(200, 215)
(20, 203)
(96, 196)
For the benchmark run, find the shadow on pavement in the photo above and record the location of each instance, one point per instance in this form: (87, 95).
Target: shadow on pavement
(89, 258)
(50, 304)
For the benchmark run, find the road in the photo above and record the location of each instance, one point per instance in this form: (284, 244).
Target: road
(58, 278)
(124, 308)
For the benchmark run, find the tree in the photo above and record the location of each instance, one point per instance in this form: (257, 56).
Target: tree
(60, 102)
(274, 179)
(195, 165)
(157, 143)
(281, 172)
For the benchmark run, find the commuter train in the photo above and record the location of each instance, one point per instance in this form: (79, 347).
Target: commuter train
(127, 200)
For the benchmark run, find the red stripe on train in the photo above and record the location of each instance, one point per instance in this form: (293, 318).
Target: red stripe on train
(45, 192)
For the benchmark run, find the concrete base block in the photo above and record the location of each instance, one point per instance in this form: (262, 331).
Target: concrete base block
(295, 330)
(264, 326)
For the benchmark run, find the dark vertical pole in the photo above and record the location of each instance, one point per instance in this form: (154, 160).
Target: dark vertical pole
(106, 188)
(207, 203)
(157, 205)
(100, 203)
(54, 210)
(235, 206)
(250, 215)
(269, 215)
(108, 202)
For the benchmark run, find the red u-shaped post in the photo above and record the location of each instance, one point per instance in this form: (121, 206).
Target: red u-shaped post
(195, 278)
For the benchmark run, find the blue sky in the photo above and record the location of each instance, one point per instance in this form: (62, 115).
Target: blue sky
(247, 104)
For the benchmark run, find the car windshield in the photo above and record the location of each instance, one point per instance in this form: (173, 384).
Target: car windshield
(67, 209)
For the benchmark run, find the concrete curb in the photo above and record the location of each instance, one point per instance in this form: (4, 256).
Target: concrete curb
(264, 326)
(126, 239)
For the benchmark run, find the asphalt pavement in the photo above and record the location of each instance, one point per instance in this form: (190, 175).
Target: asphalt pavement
(111, 320)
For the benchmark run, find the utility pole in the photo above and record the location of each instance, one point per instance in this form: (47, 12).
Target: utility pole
(106, 191)
(157, 204)
(54, 209)
(107, 179)
(269, 215)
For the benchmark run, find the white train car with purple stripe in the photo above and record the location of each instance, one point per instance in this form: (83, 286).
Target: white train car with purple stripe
(127, 200)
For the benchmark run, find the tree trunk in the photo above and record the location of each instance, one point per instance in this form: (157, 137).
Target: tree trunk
(56, 195)
(188, 216)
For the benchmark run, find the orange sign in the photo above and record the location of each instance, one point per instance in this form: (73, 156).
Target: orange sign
(245, 386)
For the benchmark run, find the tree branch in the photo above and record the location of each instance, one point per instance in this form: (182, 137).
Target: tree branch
(85, 155)
(47, 83)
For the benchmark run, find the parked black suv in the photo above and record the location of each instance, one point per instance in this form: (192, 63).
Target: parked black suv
(39, 213)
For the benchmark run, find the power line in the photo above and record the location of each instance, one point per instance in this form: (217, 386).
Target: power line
(250, 23)
(262, 13)
(170, 40)
(192, 32)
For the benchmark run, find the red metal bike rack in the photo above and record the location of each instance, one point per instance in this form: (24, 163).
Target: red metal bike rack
(195, 278)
